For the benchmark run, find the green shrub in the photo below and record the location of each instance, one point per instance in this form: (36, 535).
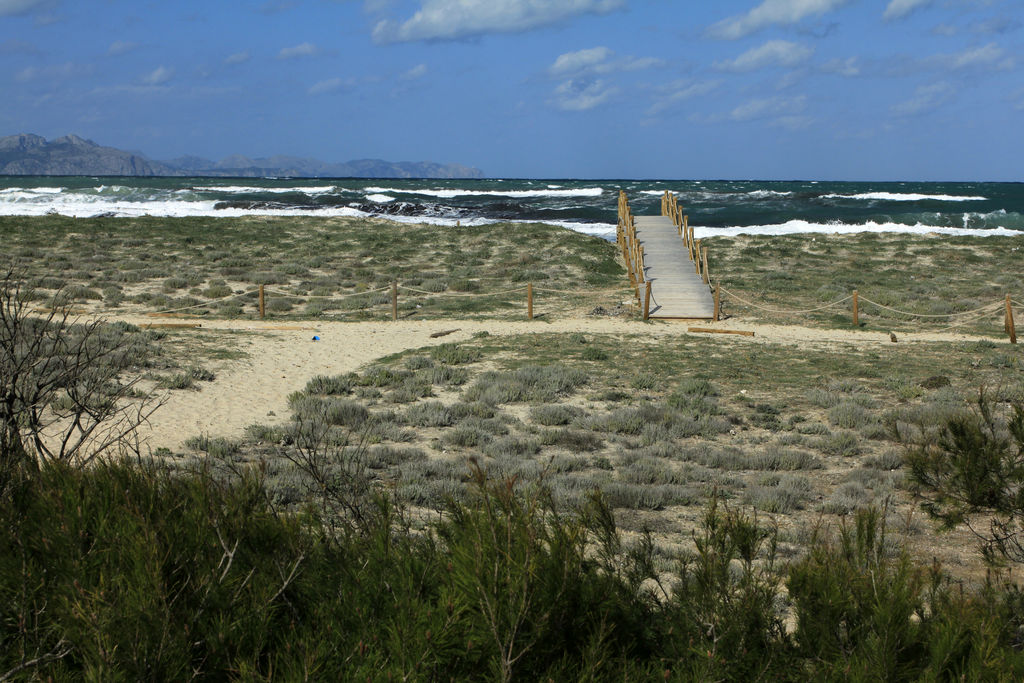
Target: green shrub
(553, 415)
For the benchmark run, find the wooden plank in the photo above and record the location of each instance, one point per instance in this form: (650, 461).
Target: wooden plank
(677, 291)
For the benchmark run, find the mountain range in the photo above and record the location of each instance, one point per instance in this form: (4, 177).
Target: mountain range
(28, 154)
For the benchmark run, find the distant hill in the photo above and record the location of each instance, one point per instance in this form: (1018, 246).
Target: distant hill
(28, 154)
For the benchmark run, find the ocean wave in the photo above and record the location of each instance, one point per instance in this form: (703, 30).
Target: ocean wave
(796, 227)
(241, 189)
(449, 194)
(906, 197)
(380, 198)
(764, 194)
(32, 190)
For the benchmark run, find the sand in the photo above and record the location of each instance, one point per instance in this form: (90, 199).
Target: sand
(282, 357)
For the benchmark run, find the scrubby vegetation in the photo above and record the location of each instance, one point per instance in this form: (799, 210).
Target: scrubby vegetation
(455, 514)
(926, 276)
(311, 267)
(136, 572)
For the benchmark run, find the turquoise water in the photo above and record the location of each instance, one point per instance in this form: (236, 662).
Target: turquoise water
(714, 207)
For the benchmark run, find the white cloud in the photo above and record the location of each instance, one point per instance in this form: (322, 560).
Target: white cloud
(769, 107)
(580, 94)
(897, 9)
(238, 58)
(573, 62)
(771, 12)
(925, 99)
(598, 60)
(121, 47)
(13, 8)
(418, 71)
(327, 86)
(158, 76)
(680, 91)
(456, 19)
(301, 50)
(772, 53)
(986, 55)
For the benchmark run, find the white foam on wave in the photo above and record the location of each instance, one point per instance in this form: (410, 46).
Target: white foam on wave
(32, 190)
(797, 227)
(906, 197)
(764, 194)
(242, 189)
(448, 194)
(380, 198)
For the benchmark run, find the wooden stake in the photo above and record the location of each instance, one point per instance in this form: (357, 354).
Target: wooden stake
(856, 309)
(647, 300)
(263, 307)
(1009, 321)
(394, 300)
(718, 300)
(704, 268)
(686, 229)
(529, 301)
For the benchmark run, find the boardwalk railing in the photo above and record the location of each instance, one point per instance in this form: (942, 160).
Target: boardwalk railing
(632, 250)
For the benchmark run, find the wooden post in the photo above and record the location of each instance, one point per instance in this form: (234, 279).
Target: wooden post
(263, 307)
(1009, 321)
(394, 300)
(856, 309)
(686, 229)
(704, 267)
(529, 301)
(696, 256)
(718, 300)
(647, 300)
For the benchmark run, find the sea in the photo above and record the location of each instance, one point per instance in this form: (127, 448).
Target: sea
(714, 207)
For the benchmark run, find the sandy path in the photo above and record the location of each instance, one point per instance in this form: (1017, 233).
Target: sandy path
(282, 357)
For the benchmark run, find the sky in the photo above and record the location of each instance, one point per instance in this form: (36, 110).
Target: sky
(689, 89)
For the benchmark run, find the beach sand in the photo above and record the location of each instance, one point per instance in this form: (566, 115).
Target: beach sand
(282, 357)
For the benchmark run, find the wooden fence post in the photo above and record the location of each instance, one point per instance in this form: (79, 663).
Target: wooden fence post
(394, 300)
(263, 307)
(647, 300)
(1010, 328)
(529, 301)
(686, 229)
(704, 268)
(718, 300)
(856, 309)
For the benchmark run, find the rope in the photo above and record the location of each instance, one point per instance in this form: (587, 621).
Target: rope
(578, 291)
(929, 315)
(780, 310)
(965, 321)
(420, 291)
(322, 296)
(200, 305)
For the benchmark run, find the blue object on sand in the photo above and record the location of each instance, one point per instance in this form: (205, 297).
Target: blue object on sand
(316, 338)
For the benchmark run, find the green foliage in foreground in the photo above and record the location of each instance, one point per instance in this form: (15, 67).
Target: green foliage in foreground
(125, 572)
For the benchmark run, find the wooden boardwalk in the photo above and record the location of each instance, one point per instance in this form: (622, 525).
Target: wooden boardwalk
(677, 291)
(668, 268)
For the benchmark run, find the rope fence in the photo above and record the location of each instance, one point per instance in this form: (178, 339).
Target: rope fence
(263, 293)
(957, 318)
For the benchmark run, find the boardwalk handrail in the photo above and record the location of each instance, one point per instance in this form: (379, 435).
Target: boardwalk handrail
(632, 250)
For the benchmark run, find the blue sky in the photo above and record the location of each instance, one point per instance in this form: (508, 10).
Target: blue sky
(769, 89)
